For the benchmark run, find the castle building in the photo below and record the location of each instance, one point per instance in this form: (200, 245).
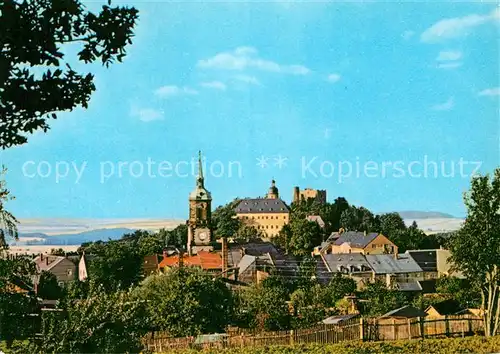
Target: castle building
(200, 213)
(267, 214)
(309, 193)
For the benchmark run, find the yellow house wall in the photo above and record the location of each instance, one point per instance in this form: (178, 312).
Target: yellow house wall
(378, 246)
(345, 248)
(444, 264)
(268, 223)
(432, 313)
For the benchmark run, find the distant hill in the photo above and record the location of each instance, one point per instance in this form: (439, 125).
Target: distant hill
(415, 214)
(72, 239)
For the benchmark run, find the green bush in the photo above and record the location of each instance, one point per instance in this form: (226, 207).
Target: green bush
(427, 346)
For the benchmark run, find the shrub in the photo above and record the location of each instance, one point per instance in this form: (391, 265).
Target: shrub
(427, 346)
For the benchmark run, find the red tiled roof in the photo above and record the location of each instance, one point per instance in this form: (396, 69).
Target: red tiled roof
(203, 259)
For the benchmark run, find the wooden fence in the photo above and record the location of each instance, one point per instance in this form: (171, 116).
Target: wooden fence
(353, 330)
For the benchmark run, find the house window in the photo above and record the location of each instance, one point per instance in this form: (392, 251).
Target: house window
(60, 283)
(374, 246)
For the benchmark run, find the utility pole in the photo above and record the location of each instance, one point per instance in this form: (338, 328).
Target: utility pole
(181, 257)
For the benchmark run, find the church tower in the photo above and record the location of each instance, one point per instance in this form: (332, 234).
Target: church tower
(200, 213)
(273, 191)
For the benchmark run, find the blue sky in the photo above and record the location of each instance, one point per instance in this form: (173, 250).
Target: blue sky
(288, 84)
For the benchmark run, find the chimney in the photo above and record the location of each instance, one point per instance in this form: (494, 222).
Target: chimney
(225, 255)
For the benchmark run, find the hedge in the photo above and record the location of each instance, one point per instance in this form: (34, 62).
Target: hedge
(428, 346)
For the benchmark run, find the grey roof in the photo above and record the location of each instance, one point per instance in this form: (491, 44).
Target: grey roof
(236, 251)
(347, 262)
(426, 259)
(322, 274)
(389, 264)
(317, 219)
(412, 286)
(338, 319)
(245, 263)
(262, 205)
(405, 311)
(41, 263)
(355, 238)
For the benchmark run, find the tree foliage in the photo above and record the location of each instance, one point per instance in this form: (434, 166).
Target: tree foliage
(475, 247)
(48, 288)
(461, 290)
(8, 223)
(224, 220)
(299, 237)
(380, 299)
(36, 79)
(102, 322)
(358, 219)
(15, 306)
(186, 301)
(115, 264)
(263, 306)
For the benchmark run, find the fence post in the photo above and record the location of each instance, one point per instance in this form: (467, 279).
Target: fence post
(292, 339)
(361, 329)
(394, 336)
(447, 325)
(422, 327)
(409, 328)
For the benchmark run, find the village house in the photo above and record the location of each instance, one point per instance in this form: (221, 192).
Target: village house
(405, 312)
(206, 260)
(395, 270)
(353, 265)
(255, 261)
(434, 262)
(61, 267)
(444, 308)
(357, 242)
(317, 219)
(267, 215)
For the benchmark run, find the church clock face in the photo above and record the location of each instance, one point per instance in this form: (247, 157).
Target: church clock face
(202, 236)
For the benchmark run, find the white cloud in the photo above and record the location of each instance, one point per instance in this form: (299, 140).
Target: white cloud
(214, 85)
(494, 91)
(449, 55)
(407, 34)
(172, 90)
(333, 77)
(449, 59)
(247, 79)
(247, 58)
(147, 114)
(446, 106)
(456, 27)
(450, 65)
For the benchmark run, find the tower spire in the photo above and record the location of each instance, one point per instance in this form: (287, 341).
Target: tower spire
(200, 168)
